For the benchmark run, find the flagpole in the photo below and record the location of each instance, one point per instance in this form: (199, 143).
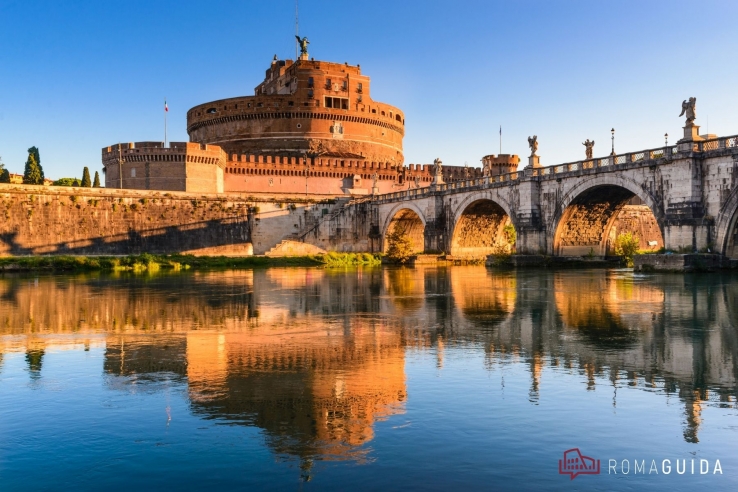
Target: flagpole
(166, 110)
(500, 139)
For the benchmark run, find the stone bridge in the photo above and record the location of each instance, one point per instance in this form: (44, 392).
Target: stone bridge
(688, 191)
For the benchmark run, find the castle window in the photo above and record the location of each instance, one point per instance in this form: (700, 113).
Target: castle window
(360, 88)
(299, 125)
(311, 82)
(383, 113)
(211, 111)
(235, 107)
(374, 111)
(397, 117)
(248, 105)
(290, 103)
(310, 95)
(336, 102)
(345, 85)
(328, 83)
(133, 172)
(261, 105)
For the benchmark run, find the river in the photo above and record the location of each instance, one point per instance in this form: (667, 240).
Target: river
(382, 378)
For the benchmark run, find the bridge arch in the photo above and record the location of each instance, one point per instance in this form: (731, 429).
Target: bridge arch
(591, 214)
(407, 217)
(726, 227)
(479, 226)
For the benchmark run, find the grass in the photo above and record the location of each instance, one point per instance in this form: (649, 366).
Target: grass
(153, 263)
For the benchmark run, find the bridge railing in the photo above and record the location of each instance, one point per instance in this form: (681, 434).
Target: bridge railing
(642, 156)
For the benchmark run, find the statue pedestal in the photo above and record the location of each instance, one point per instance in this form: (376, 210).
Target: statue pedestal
(375, 190)
(533, 162)
(437, 180)
(691, 134)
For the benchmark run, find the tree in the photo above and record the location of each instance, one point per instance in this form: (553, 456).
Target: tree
(626, 245)
(86, 182)
(33, 174)
(38, 161)
(96, 182)
(400, 246)
(4, 174)
(64, 182)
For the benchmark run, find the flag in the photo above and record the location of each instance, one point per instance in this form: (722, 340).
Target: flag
(500, 129)
(166, 108)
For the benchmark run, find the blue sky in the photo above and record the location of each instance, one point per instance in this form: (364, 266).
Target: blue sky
(76, 76)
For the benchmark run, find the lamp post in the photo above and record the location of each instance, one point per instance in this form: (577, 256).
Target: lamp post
(612, 132)
(666, 139)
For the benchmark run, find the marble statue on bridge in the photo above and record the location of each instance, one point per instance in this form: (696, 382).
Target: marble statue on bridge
(688, 108)
(588, 146)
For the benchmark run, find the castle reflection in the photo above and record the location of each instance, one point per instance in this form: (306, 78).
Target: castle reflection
(315, 358)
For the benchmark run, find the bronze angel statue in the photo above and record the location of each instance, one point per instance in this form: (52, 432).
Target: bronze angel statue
(303, 42)
(533, 144)
(688, 107)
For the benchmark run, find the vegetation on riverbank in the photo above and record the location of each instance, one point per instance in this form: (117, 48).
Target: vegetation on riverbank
(153, 263)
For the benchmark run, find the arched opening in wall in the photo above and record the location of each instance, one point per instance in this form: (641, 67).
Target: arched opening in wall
(600, 217)
(408, 224)
(483, 228)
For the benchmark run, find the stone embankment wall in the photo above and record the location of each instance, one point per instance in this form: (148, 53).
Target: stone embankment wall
(60, 220)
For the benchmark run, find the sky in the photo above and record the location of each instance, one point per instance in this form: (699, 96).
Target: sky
(77, 76)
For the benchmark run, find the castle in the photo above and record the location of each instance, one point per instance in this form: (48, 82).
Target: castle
(311, 127)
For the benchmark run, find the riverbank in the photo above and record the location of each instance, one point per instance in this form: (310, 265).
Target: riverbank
(151, 263)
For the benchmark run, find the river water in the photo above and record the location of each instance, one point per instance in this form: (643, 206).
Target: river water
(311, 379)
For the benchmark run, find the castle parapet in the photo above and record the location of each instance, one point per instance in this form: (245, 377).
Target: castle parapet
(495, 165)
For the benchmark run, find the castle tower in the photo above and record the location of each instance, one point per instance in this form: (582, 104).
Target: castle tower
(502, 164)
(306, 106)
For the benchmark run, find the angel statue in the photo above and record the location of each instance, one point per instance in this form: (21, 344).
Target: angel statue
(303, 44)
(533, 144)
(437, 167)
(588, 147)
(688, 107)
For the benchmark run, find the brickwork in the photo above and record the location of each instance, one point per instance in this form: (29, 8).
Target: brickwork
(479, 231)
(408, 222)
(305, 106)
(639, 221)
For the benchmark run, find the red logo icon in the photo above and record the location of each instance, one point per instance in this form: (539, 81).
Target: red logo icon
(575, 463)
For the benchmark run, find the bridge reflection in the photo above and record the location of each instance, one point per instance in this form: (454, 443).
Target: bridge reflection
(316, 358)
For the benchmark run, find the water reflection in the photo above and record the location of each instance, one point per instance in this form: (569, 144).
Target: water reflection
(314, 358)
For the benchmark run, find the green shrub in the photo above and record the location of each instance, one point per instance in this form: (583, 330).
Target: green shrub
(626, 245)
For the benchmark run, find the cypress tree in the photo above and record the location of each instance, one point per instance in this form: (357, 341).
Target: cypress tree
(34, 150)
(4, 173)
(32, 173)
(96, 182)
(86, 183)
